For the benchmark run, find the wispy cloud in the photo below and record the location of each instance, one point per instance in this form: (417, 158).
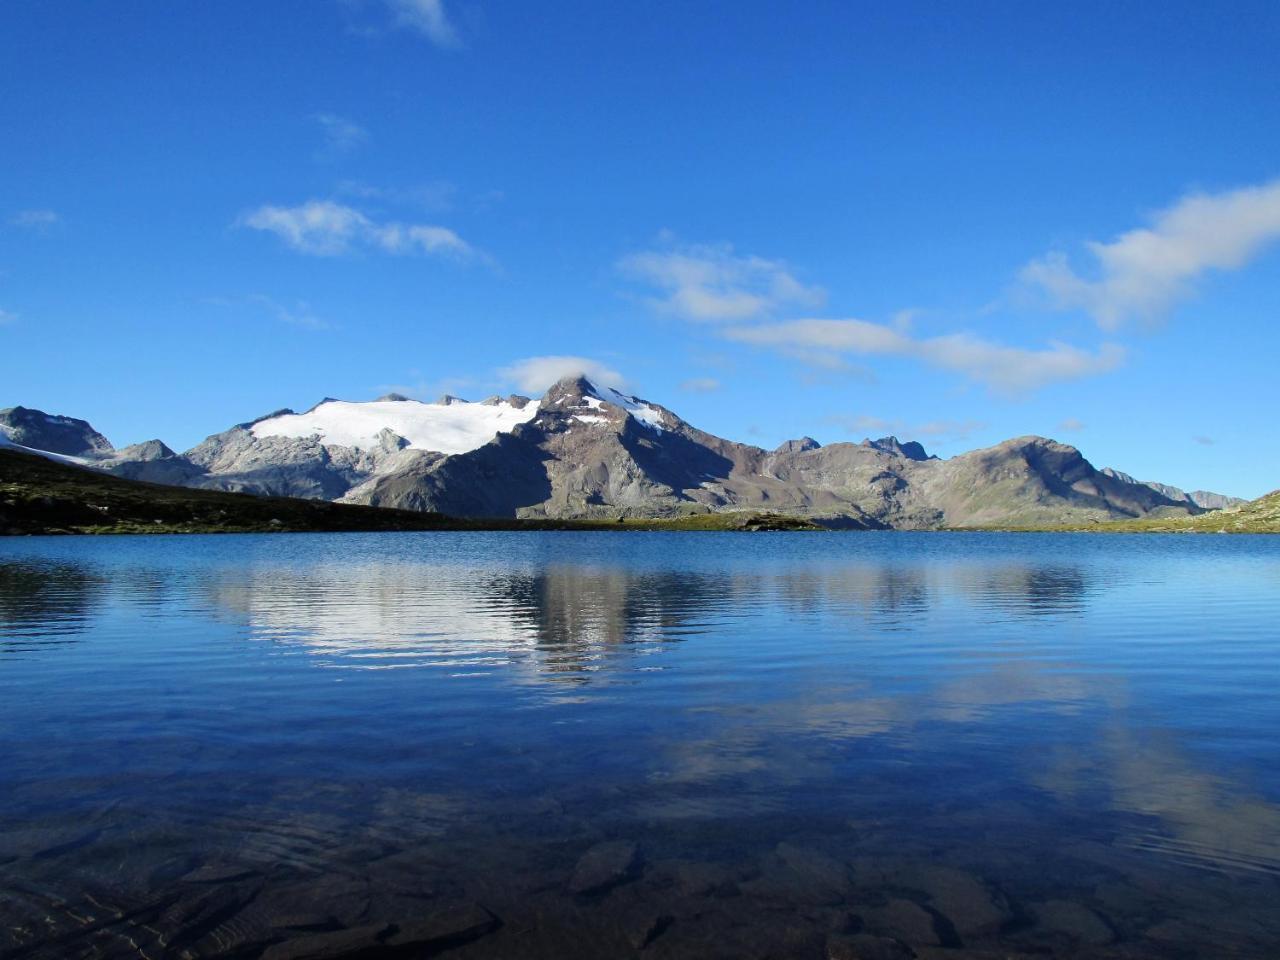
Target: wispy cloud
(1204, 441)
(7, 318)
(1071, 425)
(434, 195)
(428, 18)
(940, 431)
(1004, 368)
(1142, 273)
(714, 284)
(422, 388)
(341, 136)
(863, 423)
(299, 315)
(324, 228)
(700, 385)
(35, 219)
(535, 374)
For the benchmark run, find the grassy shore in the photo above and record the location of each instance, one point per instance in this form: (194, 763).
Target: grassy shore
(1257, 516)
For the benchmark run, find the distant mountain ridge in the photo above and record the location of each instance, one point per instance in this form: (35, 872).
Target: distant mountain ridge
(588, 451)
(1204, 499)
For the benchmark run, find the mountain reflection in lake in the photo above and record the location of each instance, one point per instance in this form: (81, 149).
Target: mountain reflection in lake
(611, 745)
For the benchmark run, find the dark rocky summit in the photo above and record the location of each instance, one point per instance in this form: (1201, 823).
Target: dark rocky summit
(912, 449)
(797, 446)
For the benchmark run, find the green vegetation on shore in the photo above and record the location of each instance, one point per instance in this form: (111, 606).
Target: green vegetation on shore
(1256, 516)
(41, 496)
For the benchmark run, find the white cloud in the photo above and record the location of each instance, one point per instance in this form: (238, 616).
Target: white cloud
(1071, 425)
(1016, 369)
(427, 17)
(1204, 441)
(7, 318)
(1005, 368)
(324, 228)
(341, 136)
(846, 336)
(35, 219)
(705, 283)
(1145, 271)
(700, 385)
(535, 374)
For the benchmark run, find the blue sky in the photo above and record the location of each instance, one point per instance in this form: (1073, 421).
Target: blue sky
(841, 220)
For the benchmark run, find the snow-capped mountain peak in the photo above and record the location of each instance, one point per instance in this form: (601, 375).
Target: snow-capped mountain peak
(579, 393)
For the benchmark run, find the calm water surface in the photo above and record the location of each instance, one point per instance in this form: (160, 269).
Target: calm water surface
(659, 745)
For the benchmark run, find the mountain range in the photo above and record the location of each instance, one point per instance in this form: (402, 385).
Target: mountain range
(586, 450)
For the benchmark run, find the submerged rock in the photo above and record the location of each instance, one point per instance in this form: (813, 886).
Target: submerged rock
(209, 915)
(448, 926)
(41, 842)
(604, 866)
(700, 879)
(972, 907)
(217, 871)
(798, 875)
(815, 865)
(864, 946)
(333, 900)
(329, 946)
(645, 929)
(904, 920)
(1074, 921)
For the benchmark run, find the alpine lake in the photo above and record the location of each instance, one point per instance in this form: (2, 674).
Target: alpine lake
(652, 745)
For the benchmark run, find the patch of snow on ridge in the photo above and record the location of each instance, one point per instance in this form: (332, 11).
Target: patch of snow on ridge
(449, 429)
(6, 440)
(650, 416)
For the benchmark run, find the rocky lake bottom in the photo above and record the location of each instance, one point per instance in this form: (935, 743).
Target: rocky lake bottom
(505, 745)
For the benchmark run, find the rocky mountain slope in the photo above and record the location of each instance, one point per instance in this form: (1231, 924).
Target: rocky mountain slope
(41, 495)
(587, 451)
(1203, 499)
(37, 430)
